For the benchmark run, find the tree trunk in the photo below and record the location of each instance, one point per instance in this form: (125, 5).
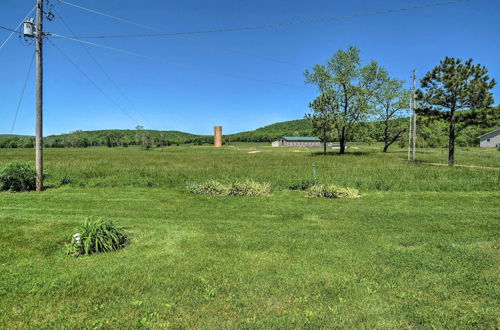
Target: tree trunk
(451, 141)
(342, 141)
(324, 147)
(386, 135)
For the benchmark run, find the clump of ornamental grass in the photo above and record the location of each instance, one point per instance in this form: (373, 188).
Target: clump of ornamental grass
(97, 236)
(250, 188)
(210, 187)
(17, 176)
(332, 191)
(239, 188)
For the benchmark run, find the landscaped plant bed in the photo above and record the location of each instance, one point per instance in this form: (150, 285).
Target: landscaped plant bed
(239, 188)
(332, 191)
(97, 236)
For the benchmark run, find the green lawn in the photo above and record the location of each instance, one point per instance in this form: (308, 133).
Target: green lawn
(419, 249)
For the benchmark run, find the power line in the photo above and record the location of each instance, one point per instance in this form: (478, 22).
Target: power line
(255, 27)
(102, 69)
(204, 43)
(10, 30)
(92, 82)
(17, 27)
(22, 93)
(156, 59)
(110, 16)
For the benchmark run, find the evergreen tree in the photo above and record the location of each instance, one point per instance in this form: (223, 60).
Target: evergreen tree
(452, 86)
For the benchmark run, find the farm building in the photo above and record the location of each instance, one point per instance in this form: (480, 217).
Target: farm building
(297, 141)
(490, 140)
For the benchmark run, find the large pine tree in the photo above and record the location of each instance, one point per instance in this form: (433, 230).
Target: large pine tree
(452, 86)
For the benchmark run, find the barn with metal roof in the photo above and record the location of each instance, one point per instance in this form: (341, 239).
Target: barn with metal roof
(298, 141)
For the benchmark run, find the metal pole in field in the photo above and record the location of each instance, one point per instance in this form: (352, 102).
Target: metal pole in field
(410, 131)
(39, 96)
(414, 131)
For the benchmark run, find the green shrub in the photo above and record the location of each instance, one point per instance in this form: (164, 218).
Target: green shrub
(332, 191)
(242, 188)
(250, 188)
(97, 236)
(65, 180)
(17, 176)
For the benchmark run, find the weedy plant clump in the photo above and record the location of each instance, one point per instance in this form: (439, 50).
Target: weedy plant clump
(332, 191)
(97, 236)
(239, 188)
(17, 176)
(302, 185)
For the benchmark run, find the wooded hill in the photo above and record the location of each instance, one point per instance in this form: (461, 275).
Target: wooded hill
(430, 134)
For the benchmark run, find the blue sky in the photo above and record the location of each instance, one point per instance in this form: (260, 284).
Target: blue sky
(172, 97)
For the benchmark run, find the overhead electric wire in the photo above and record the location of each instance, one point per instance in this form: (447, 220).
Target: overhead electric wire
(10, 30)
(17, 27)
(254, 27)
(92, 82)
(204, 43)
(189, 67)
(22, 93)
(102, 68)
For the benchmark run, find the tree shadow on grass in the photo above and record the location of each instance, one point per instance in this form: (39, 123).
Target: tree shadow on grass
(347, 153)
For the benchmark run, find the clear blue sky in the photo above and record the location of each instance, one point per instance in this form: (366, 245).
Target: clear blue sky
(170, 97)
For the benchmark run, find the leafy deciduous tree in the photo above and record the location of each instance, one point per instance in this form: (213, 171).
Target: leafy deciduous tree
(391, 101)
(323, 117)
(348, 85)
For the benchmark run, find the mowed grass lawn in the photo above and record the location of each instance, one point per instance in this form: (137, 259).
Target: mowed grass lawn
(419, 249)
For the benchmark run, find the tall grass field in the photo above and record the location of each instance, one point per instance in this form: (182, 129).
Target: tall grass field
(420, 248)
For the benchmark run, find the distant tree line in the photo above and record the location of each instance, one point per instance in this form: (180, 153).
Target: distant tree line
(431, 133)
(108, 138)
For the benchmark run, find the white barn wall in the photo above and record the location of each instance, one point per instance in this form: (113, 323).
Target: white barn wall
(490, 140)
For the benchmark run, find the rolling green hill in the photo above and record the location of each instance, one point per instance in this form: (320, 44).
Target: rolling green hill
(301, 127)
(430, 134)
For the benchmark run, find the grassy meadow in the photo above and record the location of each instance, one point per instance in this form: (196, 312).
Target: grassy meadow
(364, 168)
(419, 249)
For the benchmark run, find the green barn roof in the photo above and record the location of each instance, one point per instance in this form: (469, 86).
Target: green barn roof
(301, 138)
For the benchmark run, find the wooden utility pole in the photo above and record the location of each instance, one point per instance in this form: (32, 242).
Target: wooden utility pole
(414, 130)
(39, 97)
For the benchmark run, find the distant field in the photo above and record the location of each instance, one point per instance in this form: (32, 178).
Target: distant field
(365, 168)
(419, 249)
